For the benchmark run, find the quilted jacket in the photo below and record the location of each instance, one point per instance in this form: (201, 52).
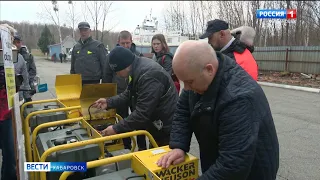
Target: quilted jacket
(233, 125)
(153, 98)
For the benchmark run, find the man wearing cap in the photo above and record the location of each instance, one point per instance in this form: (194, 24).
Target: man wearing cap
(124, 40)
(221, 39)
(20, 68)
(151, 93)
(88, 57)
(31, 67)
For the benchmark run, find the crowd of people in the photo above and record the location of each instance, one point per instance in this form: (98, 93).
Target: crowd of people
(221, 101)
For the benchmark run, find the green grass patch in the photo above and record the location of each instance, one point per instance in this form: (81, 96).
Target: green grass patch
(37, 52)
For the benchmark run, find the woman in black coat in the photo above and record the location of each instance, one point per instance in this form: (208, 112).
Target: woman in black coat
(163, 56)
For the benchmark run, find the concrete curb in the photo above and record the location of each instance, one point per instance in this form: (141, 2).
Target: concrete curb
(298, 88)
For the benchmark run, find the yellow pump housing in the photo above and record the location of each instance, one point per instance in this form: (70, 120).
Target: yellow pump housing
(68, 90)
(76, 100)
(144, 162)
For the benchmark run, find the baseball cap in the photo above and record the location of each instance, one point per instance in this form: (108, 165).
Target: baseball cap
(17, 37)
(214, 26)
(83, 25)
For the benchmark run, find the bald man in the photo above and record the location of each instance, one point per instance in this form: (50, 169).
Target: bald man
(229, 114)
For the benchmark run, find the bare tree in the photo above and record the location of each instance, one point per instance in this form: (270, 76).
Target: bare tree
(269, 32)
(84, 10)
(205, 13)
(73, 18)
(175, 17)
(314, 12)
(193, 19)
(201, 15)
(106, 11)
(52, 15)
(95, 8)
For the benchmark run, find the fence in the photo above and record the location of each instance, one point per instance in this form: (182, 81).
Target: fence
(299, 59)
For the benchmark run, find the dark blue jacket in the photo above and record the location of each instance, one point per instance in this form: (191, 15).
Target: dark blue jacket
(233, 124)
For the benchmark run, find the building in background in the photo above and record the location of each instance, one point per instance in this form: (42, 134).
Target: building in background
(63, 47)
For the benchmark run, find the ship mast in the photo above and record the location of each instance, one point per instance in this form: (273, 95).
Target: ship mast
(150, 13)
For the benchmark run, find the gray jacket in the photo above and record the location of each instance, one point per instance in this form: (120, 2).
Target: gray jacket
(31, 66)
(88, 58)
(20, 67)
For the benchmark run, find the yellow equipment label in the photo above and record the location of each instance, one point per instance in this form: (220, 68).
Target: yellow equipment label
(10, 85)
(188, 170)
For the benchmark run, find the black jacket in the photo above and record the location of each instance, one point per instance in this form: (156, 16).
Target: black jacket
(153, 97)
(166, 63)
(133, 49)
(233, 124)
(89, 59)
(111, 76)
(122, 83)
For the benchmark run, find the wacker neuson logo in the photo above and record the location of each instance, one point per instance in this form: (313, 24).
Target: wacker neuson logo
(183, 172)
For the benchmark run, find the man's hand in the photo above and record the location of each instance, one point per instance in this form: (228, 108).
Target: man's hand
(176, 156)
(100, 103)
(108, 131)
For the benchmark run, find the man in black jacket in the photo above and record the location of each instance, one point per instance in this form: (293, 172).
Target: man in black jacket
(124, 40)
(151, 94)
(221, 39)
(88, 57)
(229, 114)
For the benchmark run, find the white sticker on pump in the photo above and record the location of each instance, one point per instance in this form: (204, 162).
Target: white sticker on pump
(158, 151)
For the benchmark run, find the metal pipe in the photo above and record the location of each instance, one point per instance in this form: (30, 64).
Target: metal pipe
(94, 141)
(26, 126)
(41, 126)
(100, 162)
(132, 139)
(34, 102)
(287, 59)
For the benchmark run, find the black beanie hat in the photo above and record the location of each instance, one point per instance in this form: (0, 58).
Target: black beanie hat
(120, 58)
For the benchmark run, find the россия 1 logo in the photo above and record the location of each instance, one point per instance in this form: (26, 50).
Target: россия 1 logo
(276, 14)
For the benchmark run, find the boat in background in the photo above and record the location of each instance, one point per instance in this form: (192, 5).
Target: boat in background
(143, 34)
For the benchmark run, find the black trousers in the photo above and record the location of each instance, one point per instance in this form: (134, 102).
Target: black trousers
(141, 140)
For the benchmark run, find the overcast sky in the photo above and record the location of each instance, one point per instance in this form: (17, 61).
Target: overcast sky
(126, 14)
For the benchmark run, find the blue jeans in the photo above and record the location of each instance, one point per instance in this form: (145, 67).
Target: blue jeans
(8, 170)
